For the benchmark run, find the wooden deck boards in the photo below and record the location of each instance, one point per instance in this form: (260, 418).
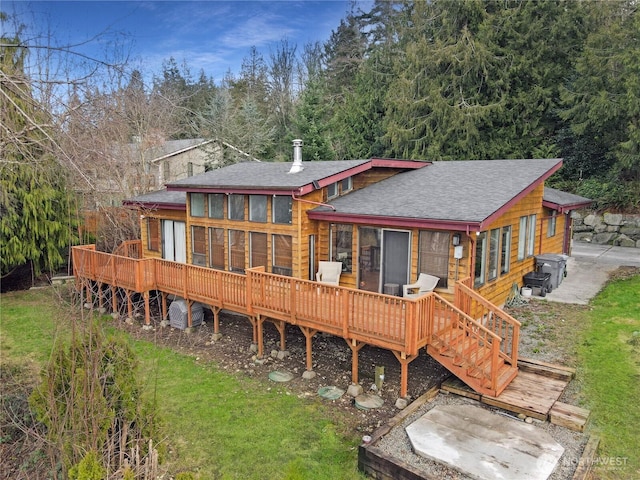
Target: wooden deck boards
(529, 393)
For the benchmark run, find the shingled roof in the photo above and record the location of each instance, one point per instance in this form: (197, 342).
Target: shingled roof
(563, 201)
(471, 192)
(264, 175)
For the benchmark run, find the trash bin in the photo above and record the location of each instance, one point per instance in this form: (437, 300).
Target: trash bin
(553, 264)
(539, 280)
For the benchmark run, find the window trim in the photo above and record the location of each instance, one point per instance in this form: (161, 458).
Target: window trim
(505, 250)
(552, 225)
(276, 204)
(210, 204)
(232, 267)
(230, 199)
(336, 253)
(253, 202)
(211, 246)
(333, 190)
(481, 252)
(201, 256)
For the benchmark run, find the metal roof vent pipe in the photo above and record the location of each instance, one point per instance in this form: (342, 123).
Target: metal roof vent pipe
(297, 157)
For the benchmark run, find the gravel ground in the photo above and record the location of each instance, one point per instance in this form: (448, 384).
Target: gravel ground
(396, 443)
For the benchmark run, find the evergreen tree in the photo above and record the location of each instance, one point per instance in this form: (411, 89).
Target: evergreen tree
(37, 213)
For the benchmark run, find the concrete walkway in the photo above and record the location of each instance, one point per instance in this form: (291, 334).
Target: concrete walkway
(588, 269)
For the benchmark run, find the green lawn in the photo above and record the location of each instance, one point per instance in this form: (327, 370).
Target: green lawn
(609, 354)
(217, 425)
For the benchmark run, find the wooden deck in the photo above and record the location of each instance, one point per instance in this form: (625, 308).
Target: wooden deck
(474, 339)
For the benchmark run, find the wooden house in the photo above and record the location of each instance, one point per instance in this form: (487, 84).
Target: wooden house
(250, 238)
(385, 220)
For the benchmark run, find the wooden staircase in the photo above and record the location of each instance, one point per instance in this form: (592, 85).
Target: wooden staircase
(483, 352)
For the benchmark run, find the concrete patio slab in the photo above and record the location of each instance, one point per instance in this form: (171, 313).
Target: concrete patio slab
(484, 445)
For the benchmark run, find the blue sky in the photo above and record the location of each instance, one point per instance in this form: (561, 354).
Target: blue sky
(209, 35)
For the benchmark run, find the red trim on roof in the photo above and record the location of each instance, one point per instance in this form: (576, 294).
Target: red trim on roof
(451, 225)
(498, 213)
(565, 208)
(156, 205)
(395, 163)
(228, 190)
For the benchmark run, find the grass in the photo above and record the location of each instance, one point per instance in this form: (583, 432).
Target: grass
(217, 425)
(609, 354)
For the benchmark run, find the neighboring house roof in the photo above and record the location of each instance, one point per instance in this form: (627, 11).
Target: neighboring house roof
(446, 194)
(274, 176)
(563, 201)
(161, 199)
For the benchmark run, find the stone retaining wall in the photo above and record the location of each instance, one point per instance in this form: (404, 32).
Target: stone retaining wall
(607, 229)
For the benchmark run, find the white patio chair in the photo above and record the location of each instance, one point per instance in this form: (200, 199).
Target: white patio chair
(426, 283)
(329, 272)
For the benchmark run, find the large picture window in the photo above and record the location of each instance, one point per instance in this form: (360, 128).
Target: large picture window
(433, 255)
(198, 246)
(257, 249)
(257, 208)
(341, 245)
(281, 254)
(236, 207)
(216, 248)
(236, 251)
(281, 206)
(216, 205)
(197, 204)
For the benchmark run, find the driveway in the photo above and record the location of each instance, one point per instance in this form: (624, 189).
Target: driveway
(588, 269)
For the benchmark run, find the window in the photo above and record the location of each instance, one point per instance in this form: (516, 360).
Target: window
(281, 254)
(282, 209)
(332, 190)
(481, 259)
(153, 234)
(341, 245)
(216, 248)
(494, 245)
(257, 249)
(216, 205)
(505, 250)
(236, 251)
(433, 255)
(197, 204)
(346, 185)
(257, 208)
(236, 207)
(531, 235)
(198, 246)
(551, 226)
(522, 238)
(190, 169)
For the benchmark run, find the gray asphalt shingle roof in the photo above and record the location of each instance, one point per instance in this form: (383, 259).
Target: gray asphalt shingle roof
(159, 197)
(460, 191)
(561, 198)
(265, 175)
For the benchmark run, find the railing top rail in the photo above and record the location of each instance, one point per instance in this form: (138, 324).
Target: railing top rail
(475, 323)
(480, 299)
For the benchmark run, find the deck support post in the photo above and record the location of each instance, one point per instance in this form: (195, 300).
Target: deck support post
(308, 334)
(355, 347)
(257, 322)
(163, 305)
(147, 313)
(100, 298)
(404, 360)
(216, 318)
(88, 293)
(189, 314)
(281, 326)
(114, 299)
(129, 304)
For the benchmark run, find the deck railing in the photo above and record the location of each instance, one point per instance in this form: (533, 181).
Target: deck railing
(491, 317)
(399, 324)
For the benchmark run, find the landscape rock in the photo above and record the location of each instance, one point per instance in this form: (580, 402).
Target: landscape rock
(613, 219)
(624, 241)
(401, 403)
(282, 354)
(603, 238)
(309, 374)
